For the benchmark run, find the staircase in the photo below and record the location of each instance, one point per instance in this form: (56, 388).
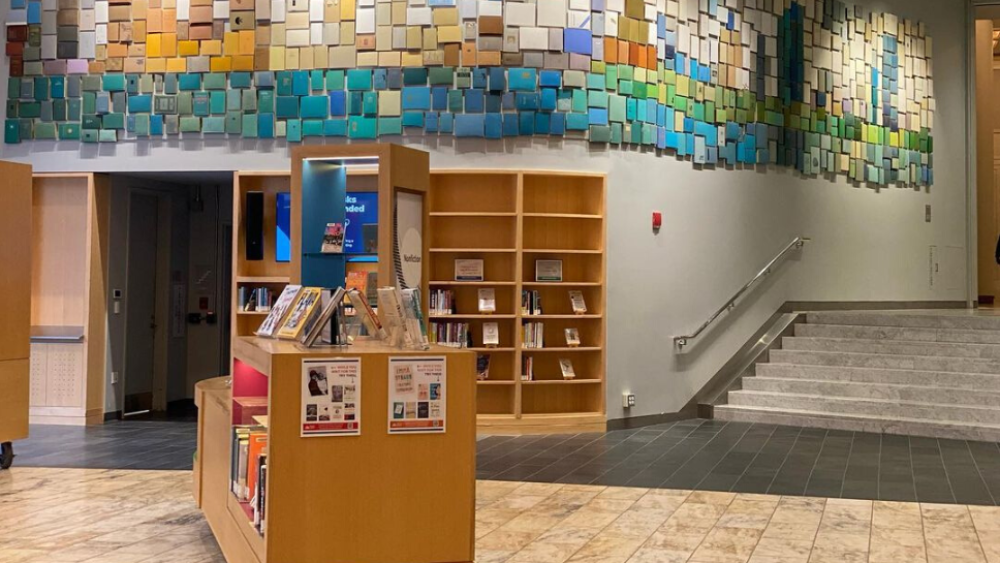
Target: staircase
(933, 374)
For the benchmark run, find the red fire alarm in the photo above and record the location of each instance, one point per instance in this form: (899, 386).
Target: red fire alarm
(657, 220)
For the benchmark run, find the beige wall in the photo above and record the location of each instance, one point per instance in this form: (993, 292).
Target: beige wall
(986, 116)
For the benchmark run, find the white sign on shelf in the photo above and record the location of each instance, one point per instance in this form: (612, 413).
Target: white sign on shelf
(331, 397)
(417, 387)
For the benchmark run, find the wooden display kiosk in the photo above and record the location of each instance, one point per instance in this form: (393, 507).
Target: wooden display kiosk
(371, 498)
(400, 486)
(15, 282)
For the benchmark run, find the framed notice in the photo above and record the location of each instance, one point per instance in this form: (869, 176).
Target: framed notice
(331, 397)
(417, 387)
(548, 271)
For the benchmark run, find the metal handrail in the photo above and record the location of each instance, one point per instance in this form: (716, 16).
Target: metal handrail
(799, 242)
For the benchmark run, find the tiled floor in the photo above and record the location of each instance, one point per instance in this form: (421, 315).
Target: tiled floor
(692, 454)
(127, 516)
(130, 444)
(755, 458)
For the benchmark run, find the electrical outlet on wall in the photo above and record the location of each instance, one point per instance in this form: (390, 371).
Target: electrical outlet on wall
(114, 377)
(628, 400)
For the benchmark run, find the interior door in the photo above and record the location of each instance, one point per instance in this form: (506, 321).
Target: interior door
(140, 303)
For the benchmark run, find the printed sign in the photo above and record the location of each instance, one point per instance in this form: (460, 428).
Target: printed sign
(331, 397)
(417, 395)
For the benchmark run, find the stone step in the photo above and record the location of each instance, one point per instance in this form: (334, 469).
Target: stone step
(916, 334)
(944, 396)
(892, 347)
(867, 407)
(980, 381)
(858, 423)
(887, 361)
(956, 320)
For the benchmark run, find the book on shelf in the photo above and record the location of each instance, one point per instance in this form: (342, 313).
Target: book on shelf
(531, 302)
(527, 368)
(415, 316)
(566, 366)
(451, 334)
(321, 321)
(491, 335)
(576, 300)
(279, 311)
(391, 310)
(548, 270)
(333, 239)
(368, 317)
(300, 314)
(242, 461)
(572, 337)
(357, 280)
(257, 447)
(372, 293)
(487, 300)
(469, 269)
(442, 302)
(482, 367)
(258, 501)
(534, 335)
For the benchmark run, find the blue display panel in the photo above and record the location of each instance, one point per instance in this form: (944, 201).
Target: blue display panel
(362, 209)
(283, 230)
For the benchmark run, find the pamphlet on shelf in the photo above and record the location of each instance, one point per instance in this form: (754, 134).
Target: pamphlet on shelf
(467, 269)
(482, 367)
(487, 300)
(491, 335)
(333, 239)
(281, 307)
(566, 365)
(417, 395)
(415, 317)
(579, 305)
(331, 397)
(391, 311)
(306, 303)
(548, 271)
(572, 337)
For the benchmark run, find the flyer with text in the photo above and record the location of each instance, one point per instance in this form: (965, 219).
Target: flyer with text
(331, 397)
(417, 395)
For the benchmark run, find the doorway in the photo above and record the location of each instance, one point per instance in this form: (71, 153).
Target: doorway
(987, 120)
(143, 386)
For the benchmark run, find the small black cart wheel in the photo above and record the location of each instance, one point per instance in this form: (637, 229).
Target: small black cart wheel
(6, 455)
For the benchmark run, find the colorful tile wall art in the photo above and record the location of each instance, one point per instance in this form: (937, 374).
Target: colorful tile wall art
(821, 86)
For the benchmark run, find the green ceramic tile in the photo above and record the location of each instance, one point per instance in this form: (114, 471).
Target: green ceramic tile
(59, 110)
(312, 128)
(91, 83)
(142, 125)
(12, 108)
(190, 124)
(600, 133)
(265, 101)
(335, 80)
(69, 131)
(359, 79)
(234, 100)
(217, 104)
(234, 122)
(215, 81)
(11, 132)
(201, 104)
(107, 136)
(113, 82)
(249, 100)
(214, 124)
(113, 121)
(390, 126)
(29, 109)
(250, 126)
(13, 88)
(441, 76)
(146, 84)
(91, 122)
(89, 135)
(185, 103)
(293, 130)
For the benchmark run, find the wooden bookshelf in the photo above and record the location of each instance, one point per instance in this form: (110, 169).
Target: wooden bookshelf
(509, 219)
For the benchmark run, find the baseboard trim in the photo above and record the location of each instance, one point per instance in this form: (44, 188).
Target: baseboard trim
(805, 306)
(689, 411)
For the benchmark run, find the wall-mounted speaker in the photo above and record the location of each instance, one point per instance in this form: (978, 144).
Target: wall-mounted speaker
(254, 232)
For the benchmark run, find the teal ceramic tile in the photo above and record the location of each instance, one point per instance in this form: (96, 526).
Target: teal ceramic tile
(217, 103)
(213, 124)
(89, 135)
(234, 122)
(335, 80)
(362, 127)
(215, 81)
(234, 100)
(249, 100)
(69, 131)
(293, 130)
(265, 101)
(286, 107)
(359, 79)
(107, 136)
(249, 126)
(190, 124)
(369, 104)
(11, 132)
(91, 122)
(312, 128)
(201, 104)
(142, 125)
(315, 107)
(283, 83)
(239, 80)
(112, 82)
(113, 121)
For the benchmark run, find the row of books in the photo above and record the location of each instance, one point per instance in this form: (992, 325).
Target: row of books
(366, 282)
(442, 302)
(403, 317)
(531, 302)
(455, 335)
(248, 470)
(258, 299)
(305, 313)
(533, 335)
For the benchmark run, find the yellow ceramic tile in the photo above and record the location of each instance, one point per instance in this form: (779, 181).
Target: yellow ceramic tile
(413, 37)
(306, 58)
(399, 13)
(347, 10)
(211, 47)
(153, 43)
(321, 56)
(177, 65)
(445, 16)
(277, 58)
(430, 40)
(240, 62)
(187, 48)
(389, 59)
(245, 42)
(412, 59)
(368, 59)
(231, 43)
(168, 44)
(449, 34)
(292, 60)
(156, 65)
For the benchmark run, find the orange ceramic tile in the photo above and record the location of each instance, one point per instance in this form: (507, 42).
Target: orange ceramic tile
(634, 54)
(469, 53)
(623, 52)
(137, 50)
(154, 20)
(243, 62)
(168, 44)
(231, 43)
(117, 50)
(651, 57)
(610, 50)
(221, 64)
(96, 67)
(169, 20)
(187, 48)
(135, 65)
(246, 42)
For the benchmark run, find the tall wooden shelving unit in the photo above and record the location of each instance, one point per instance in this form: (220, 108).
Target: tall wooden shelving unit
(509, 219)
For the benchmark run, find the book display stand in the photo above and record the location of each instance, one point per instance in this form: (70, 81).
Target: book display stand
(339, 454)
